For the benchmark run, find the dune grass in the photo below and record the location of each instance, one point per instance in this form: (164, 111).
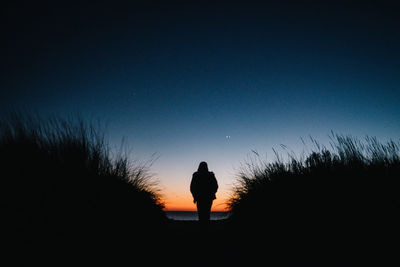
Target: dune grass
(62, 185)
(349, 192)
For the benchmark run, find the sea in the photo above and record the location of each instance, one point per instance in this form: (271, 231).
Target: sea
(192, 215)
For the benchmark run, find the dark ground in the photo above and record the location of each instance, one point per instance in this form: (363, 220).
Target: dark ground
(189, 243)
(221, 243)
(218, 243)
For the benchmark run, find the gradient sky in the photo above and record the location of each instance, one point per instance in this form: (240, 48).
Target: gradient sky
(206, 81)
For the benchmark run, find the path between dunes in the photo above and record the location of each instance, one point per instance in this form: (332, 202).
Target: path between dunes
(190, 243)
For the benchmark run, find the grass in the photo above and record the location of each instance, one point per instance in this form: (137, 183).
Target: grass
(345, 197)
(67, 195)
(64, 188)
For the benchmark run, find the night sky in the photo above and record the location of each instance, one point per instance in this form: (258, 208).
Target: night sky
(206, 81)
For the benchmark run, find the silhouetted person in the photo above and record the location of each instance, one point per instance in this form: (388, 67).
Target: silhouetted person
(203, 188)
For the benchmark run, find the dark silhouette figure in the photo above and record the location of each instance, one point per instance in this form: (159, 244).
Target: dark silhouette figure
(203, 188)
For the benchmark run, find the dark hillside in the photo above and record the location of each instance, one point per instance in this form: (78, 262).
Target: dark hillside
(66, 195)
(339, 203)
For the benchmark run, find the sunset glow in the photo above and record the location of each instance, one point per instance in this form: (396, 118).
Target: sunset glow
(191, 82)
(185, 203)
(281, 118)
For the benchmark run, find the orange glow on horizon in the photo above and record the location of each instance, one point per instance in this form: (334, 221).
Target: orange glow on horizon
(186, 204)
(177, 196)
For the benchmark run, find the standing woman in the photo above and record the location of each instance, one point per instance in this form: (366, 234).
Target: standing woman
(203, 188)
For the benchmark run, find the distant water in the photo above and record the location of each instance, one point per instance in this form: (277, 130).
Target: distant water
(192, 215)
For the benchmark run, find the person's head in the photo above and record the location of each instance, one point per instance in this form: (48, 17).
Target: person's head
(203, 167)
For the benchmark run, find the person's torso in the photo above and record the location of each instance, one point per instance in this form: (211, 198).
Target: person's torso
(205, 184)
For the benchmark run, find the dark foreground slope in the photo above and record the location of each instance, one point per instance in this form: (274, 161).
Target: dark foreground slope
(226, 243)
(67, 198)
(340, 206)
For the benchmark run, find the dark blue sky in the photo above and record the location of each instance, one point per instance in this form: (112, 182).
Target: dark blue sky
(177, 78)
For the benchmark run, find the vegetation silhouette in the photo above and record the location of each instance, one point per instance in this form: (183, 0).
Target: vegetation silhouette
(203, 187)
(68, 199)
(67, 196)
(333, 206)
